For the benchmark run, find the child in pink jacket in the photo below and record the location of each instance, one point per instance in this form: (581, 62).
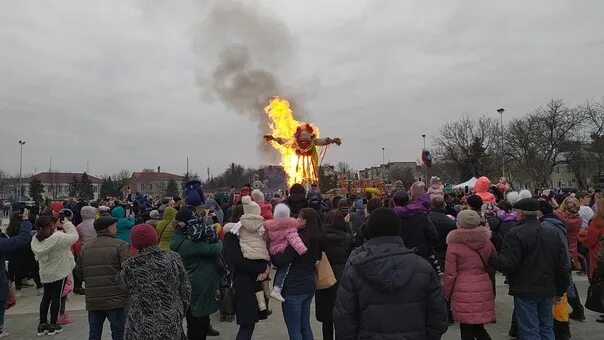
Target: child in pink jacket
(282, 231)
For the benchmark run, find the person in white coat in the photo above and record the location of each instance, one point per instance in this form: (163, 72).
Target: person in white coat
(52, 249)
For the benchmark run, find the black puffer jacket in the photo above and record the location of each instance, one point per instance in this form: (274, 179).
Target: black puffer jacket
(443, 225)
(534, 260)
(388, 292)
(418, 232)
(337, 246)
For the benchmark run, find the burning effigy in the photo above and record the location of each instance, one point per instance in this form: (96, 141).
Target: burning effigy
(298, 143)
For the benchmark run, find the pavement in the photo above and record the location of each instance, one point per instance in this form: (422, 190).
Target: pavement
(22, 320)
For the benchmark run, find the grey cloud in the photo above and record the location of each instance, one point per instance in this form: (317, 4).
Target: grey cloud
(115, 82)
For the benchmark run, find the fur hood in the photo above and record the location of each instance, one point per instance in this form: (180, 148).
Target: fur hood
(281, 224)
(477, 235)
(251, 222)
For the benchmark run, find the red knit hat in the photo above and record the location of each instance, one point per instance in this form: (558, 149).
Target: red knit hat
(143, 236)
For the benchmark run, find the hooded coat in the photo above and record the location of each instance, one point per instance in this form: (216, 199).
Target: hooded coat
(193, 194)
(388, 292)
(123, 224)
(417, 230)
(481, 188)
(284, 232)
(337, 245)
(159, 293)
(595, 232)
(165, 229)
(466, 281)
(54, 254)
(252, 238)
(86, 229)
(573, 227)
(200, 261)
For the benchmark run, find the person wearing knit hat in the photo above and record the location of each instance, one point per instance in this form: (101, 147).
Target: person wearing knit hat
(392, 280)
(154, 217)
(537, 266)
(282, 231)
(200, 248)
(252, 240)
(153, 278)
(466, 282)
(99, 263)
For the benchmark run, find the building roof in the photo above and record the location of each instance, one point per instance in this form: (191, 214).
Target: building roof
(62, 177)
(154, 176)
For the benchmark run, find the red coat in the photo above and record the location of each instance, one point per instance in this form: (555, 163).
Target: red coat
(595, 231)
(466, 281)
(573, 226)
(266, 210)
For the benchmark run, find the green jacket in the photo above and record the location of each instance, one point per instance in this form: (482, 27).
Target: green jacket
(164, 228)
(201, 262)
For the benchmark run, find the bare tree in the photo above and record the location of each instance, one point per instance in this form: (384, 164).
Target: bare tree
(344, 167)
(594, 114)
(3, 183)
(535, 142)
(468, 144)
(398, 172)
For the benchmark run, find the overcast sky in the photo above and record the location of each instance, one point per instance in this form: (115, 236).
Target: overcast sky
(117, 83)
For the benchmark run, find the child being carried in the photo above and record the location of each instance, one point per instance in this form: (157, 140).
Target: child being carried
(283, 231)
(252, 240)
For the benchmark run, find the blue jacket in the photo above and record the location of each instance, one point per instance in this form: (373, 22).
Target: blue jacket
(9, 244)
(123, 224)
(193, 194)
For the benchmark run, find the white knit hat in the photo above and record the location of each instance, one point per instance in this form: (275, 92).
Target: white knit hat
(250, 207)
(281, 211)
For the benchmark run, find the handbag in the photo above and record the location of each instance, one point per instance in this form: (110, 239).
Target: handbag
(324, 277)
(227, 296)
(12, 299)
(595, 294)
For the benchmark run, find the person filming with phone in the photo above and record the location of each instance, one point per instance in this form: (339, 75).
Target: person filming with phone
(52, 248)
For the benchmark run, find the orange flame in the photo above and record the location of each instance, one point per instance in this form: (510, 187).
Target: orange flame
(283, 125)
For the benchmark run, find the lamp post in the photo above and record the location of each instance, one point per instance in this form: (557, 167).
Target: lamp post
(426, 176)
(21, 143)
(383, 163)
(500, 111)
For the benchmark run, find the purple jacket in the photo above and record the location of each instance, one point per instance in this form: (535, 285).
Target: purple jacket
(419, 206)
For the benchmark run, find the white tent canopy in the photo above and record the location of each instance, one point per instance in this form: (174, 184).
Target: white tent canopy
(469, 183)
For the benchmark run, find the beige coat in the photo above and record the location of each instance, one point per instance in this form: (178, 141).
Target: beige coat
(252, 238)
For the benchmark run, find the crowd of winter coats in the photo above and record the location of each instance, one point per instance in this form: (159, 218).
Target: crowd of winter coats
(450, 240)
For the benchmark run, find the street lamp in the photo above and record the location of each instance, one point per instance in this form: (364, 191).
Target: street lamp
(500, 111)
(426, 177)
(383, 163)
(21, 143)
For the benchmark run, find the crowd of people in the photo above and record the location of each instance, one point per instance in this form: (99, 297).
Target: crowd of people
(365, 260)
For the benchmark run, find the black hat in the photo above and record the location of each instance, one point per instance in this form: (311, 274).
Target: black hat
(475, 202)
(527, 204)
(383, 222)
(545, 207)
(104, 222)
(184, 215)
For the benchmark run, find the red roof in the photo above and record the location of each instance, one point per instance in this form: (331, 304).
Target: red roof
(62, 177)
(154, 176)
